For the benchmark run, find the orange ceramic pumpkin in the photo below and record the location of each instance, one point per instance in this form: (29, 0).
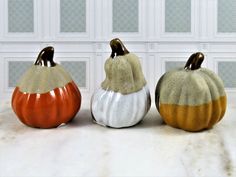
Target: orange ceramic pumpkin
(46, 95)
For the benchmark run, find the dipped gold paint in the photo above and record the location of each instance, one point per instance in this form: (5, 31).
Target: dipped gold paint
(194, 118)
(191, 98)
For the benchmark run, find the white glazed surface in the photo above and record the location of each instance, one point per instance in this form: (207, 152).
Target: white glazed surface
(116, 110)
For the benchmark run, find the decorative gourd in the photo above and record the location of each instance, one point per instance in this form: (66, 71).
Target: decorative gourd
(123, 99)
(191, 98)
(46, 95)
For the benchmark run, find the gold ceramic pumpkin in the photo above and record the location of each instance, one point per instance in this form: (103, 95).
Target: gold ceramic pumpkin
(191, 98)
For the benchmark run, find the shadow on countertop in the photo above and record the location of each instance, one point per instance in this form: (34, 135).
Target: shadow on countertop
(84, 118)
(152, 121)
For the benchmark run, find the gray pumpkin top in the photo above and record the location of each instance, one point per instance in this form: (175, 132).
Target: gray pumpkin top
(189, 86)
(123, 70)
(44, 75)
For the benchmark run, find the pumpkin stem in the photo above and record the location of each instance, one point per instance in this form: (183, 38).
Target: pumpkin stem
(117, 48)
(45, 57)
(194, 62)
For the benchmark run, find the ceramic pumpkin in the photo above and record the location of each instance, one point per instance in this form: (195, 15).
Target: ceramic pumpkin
(191, 98)
(46, 95)
(123, 98)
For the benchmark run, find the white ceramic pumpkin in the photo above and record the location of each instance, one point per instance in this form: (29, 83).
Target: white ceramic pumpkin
(123, 98)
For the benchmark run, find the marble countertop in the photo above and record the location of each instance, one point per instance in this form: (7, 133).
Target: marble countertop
(83, 148)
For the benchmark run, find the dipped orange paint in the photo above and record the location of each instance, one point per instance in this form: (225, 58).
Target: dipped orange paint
(47, 110)
(38, 105)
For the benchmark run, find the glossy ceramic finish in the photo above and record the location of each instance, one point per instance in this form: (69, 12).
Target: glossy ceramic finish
(45, 57)
(116, 110)
(47, 110)
(123, 99)
(46, 95)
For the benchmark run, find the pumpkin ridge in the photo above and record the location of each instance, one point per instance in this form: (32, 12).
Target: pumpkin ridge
(186, 121)
(25, 104)
(123, 74)
(167, 110)
(43, 79)
(223, 105)
(68, 102)
(134, 107)
(209, 115)
(167, 85)
(34, 117)
(218, 80)
(157, 91)
(15, 102)
(74, 103)
(124, 103)
(178, 117)
(215, 118)
(54, 113)
(62, 107)
(208, 91)
(209, 81)
(111, 108)
(181, 92)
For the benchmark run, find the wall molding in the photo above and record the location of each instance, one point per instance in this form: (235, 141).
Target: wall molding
(18, 36)
(151, 43)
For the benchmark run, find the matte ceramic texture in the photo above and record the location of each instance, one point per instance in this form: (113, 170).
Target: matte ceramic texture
(116, 110)
(123, 70)
(46, 96)
(124, 74)
(192, 99)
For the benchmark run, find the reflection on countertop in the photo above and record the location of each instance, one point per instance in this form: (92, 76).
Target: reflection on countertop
(82, 148)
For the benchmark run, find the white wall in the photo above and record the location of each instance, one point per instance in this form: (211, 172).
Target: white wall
(151, 42)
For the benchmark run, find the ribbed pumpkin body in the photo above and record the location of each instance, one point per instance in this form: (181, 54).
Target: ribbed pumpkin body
(46, 97)
(123, 99)
(192, 100)
(116, 110)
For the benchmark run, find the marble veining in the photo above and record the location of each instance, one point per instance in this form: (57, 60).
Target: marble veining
(83, 148)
